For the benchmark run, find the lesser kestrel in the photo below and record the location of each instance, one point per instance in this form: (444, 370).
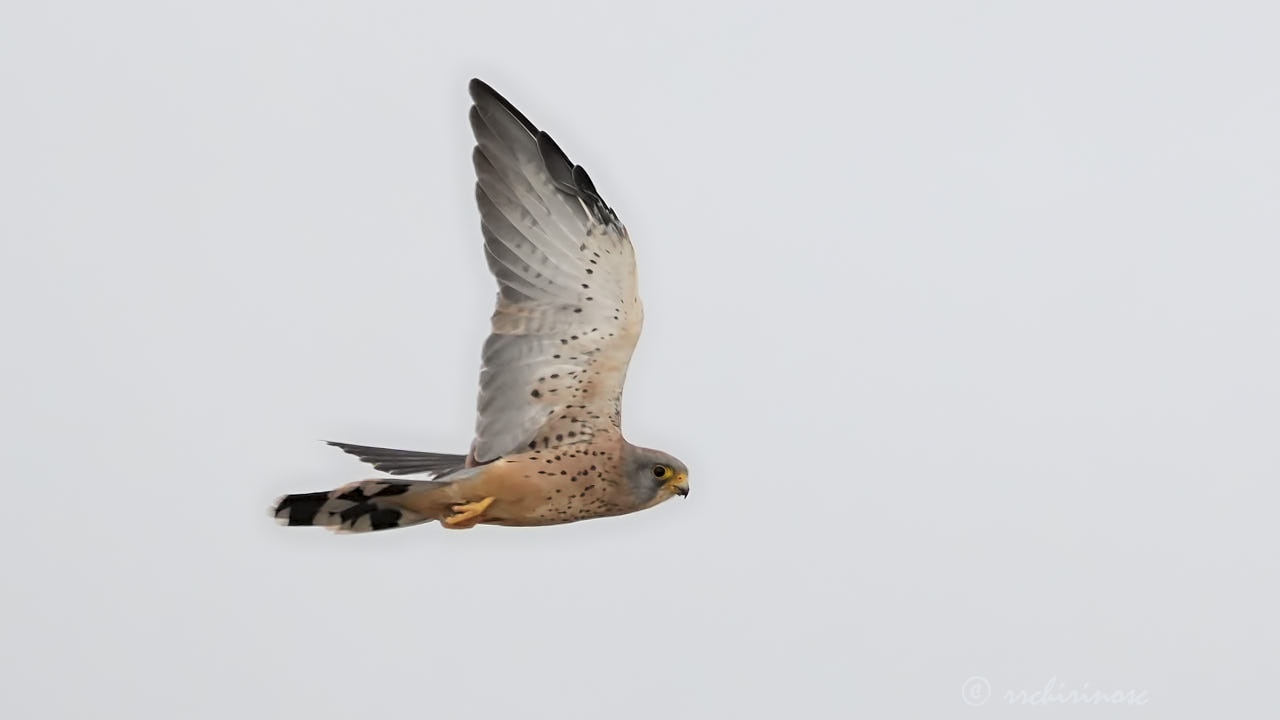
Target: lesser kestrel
(548, 446)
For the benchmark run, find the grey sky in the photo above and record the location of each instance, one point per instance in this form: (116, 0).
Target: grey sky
(964, 316)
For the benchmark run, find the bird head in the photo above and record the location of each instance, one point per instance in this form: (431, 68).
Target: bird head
(654, 475)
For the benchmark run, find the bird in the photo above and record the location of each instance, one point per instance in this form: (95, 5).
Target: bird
(548, 446)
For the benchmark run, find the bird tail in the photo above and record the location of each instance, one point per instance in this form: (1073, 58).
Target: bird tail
(367, 505)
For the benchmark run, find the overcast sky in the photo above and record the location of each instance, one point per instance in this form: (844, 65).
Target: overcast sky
(965, 317)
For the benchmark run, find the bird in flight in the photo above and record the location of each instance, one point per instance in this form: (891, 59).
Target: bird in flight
(548, 447)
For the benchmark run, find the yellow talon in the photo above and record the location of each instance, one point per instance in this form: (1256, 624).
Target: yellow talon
(466, 512)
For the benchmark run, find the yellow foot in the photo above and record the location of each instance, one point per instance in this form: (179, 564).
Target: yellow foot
(467, 515)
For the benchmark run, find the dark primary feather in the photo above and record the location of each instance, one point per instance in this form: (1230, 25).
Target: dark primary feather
(481, 92)
(404, 462)
(569, 178)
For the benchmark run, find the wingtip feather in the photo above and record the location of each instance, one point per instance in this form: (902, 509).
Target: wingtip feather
(485, 97)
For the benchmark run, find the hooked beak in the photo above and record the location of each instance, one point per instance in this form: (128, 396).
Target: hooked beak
(680, 485)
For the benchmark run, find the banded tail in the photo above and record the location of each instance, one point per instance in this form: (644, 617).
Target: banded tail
(364, 506)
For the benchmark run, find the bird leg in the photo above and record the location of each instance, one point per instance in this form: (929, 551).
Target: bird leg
(467, 515)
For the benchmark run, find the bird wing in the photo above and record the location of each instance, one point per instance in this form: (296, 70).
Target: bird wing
(568, 311)
(404, 462)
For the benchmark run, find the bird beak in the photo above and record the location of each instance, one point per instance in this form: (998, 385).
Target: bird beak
(680, 485)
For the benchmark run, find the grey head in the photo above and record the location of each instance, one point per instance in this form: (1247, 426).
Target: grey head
(652, 475)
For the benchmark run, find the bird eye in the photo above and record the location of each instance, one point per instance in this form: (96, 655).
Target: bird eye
(662, 472)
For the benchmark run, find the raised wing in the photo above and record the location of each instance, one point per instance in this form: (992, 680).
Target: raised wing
(569, 312)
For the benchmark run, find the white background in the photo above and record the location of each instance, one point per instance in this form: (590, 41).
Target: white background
(964, 316)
